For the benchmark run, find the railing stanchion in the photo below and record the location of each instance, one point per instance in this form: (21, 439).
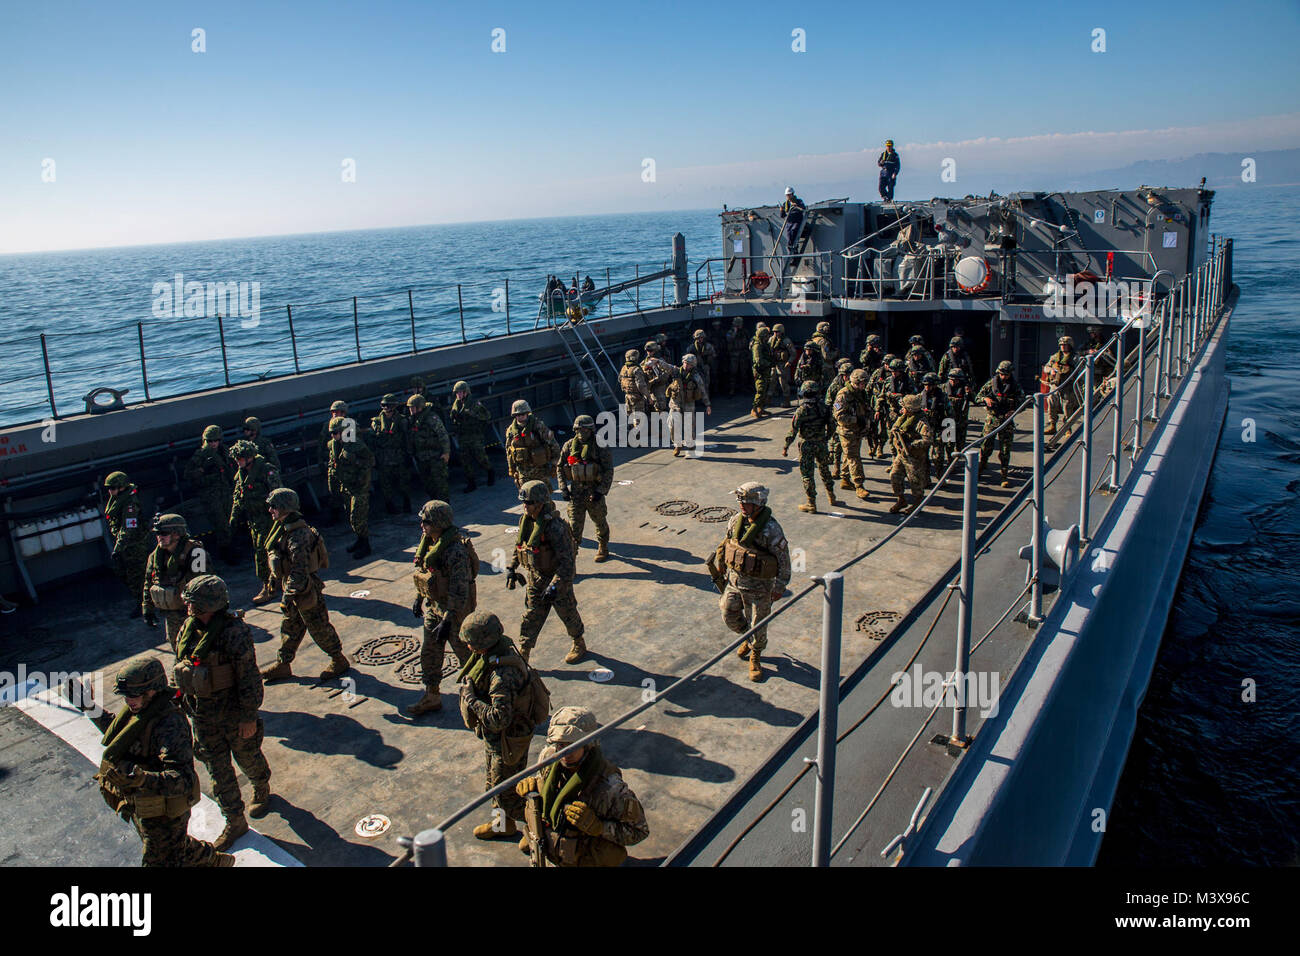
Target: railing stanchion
(1139, 408)
(460, 307)
(1117, 440)
(507, 306)
(410, 305)
(637, 287)
(429, 848)
(144, 371)
(1085, 485)
(1036, 568)
(828, 725)
(293, 339)
(608, 295)
(356, 327)
(966, 594)
(225, 365)
(49, 380)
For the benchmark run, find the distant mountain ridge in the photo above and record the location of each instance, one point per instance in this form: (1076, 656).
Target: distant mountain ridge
(1221, 171)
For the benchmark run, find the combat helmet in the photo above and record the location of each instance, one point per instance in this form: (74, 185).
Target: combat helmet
(824, 328)
(460, 387)
(253, 425)
(845, 364)
(570, 724)
(737, 321)
(1004, 367)
(534, 492)
(117, 479)
(169, 523)
(808, 390)
(521, 407)
(764, 333)
(954, 342)
(929, 378)
(957, 374)
(212, 433)
(481, 630)
(912, 403)
(243, 449)
(437, 513)
(339, 424)
(690, 361)
(778, 329)
(632, 356)
(874, 339)
(285, 499)
(916, 340)
(888, 359)
(697, 334)
(1065, 340)
(416, 403)
(584, 421)
(858, 377)
(139, 676)
(206, 593)
(751, 493)
(391, 400)
(661, 337)
(652, 348)
(338, 405)
(897, 365)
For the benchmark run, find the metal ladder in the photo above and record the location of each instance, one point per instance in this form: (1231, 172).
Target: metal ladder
(588, 366)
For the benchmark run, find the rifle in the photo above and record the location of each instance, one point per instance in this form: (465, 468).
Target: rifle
(533, 828)
(719, 579)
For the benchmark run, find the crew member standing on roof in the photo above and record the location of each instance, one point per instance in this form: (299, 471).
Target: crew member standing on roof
(889, 164)
(792, 211)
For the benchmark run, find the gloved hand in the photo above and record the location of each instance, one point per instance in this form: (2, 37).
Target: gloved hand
(151, 618)
(417, 607)
(125, 776)
(526, 786)
(566, 493)
(583, 818)
(513, 578)
(468, 693)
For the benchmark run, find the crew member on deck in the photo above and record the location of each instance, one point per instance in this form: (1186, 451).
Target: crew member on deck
(792, 212)
(889, 164)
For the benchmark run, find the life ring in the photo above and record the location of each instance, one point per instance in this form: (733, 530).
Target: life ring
(972, 274)
(760, 280)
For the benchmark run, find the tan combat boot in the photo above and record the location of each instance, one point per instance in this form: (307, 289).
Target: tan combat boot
(277, 671)
(845, 483)
(602, 552)
(835, 502)
(223, 859)
(264, 596)
(677, 451)
(339, 666)
(743, 650)
(234, 829)
(810, 507)
(1051, 426)
(899, 505)
(577, 652)
(1006, 479)
(863, 493)
(755, 670)
(429, 703)
(486, 831)
(261, 802)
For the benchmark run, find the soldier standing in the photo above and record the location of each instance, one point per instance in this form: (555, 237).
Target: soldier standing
(493, 702)
(755, 559)
(911, 437)
(956, 357)
(934, 403)
(531, 449)
(211, 472)
(297, 553)
(430, 447)
(470, 419)
(851, 410)
(844, 370)
(658, 374)
(350, 462)
(958, 390)
(737, 355)
(130, 536)
(812, 423)
(809, 367)
(335, 501)
(265, 447)
(1002, 395)
(254, 480)
(830, 354)
(589, 815)
(1060, 368)
(918, 359)
(889, 393)
(782, 355)
(390, 440)
(635, 385)
(147, 772)
(544, 546)
(706, 357)
(686, 388)
(761, 359)
(446, 593)
(216, 672)
(585, 474)
(872, 357)
(171, 565)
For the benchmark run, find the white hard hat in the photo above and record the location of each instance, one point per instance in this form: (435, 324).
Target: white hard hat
(789, 190)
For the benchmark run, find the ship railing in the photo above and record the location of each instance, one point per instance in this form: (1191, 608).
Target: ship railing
(1191, 310)
(786, 285)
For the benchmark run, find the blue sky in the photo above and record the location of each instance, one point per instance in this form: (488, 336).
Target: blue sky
(154, 142)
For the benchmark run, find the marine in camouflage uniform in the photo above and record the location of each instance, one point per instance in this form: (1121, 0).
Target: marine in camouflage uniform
(845, 369)
(589, 814)
(586, 473)
(492, 682)
(956, 357)
(129, 533)
(255, 478)
(531, 448)
(446, 593)
(911, 436)
(893, 385)
(811, 423)
(782, 356)
(658, 374)
(830, 354)
(685, 390)
(147, 775)
(938, 413)
(761, 361)
(176, 560)
(334, 500)
(265, 447)
(216, 672)
(851, 411)
(872, 356)
(809, 367)
(957, 388)
(918, 359)
(1104, 365)
(211, 473)
(349, 467)
(1060, 367)
(297, 553)
(1001, 395)
(637, 396)
(430, 447)
(737, 356)
(544, 546)
(706, 357)
(753, 562)
(470, 420)
(390, 440)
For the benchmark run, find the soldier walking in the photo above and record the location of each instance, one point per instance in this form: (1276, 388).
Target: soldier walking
(1060, 368)
(221, 693)
(782, 356)
(956, 358)
(1001, 395)
(918, 360)
(334, 501)
(844, 370)
(586, 473)
(531, 449)
(470, 420)
(937, 411)
(637, 395)
(350, 462)
(430, 447)
(706, 357)
(254, 480)
(544, 546)
(176, 560)
(911, 437)
(685, 390)
(958, 391)
(446, 592)
(265, 447)
(761, 359)
(812, 423)
(658, 374)
(211, 473)
(851, 410)
(130, 537)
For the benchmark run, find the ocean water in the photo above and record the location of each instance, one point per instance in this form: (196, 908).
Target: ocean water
(1210, 778)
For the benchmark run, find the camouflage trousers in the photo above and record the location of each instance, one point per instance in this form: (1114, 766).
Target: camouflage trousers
(433, 651)
(912, 466)
(1065, 402)
(128, 566)
(216, 740)
(781, 381)
(394, 476)
(851, 455)
(682, 428)
(634, 402)
(433, 477)
(498, 770)
(1003, 439)
(536, 610)
(741, 607)
(834, 453)
(583, 505)
(813, 458)
(473, 456)
(167, 842)
(535, 473)
(172, 621)
(216, 509)
(762, 376)
(875, 437)
(261, 563)
(314, 620)
(358, 506)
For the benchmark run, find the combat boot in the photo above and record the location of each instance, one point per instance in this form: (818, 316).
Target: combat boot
(755, 668)
(1006, 479)
(1051, 426)
(234, 829)
(845, 483)
(352, 548)
(810, 507)
(486, 831)
(835, 502)
(261, 801)
(899, 505)
(753, 413)
(223, 859)
(577, 652)
(363, 548)
(492, 477)
(602, 551)
(264, 596)
(743, 650)
(862, 493)
(278, 671)
(677, 451)
(470, 484)
(428, 704)
(339, 666)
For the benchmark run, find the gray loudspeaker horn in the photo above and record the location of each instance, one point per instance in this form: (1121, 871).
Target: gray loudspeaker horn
(1060, 553)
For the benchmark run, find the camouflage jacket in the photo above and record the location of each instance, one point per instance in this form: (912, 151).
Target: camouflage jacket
(706, 353)
(871, 359)
(489, 710)
(428, 437)
(952, 360)
(525, 442)
(633, 381)
(911, 435)
(770, 540)
(233, 646)
(126, 522)
(1006, 398)
(349, 465)
(918, 361)
(937, 408)
(830, 354)
(621, 816)
(760, 354)
(292, 555)
(811, 422)
(164, 755)
(172, 570)
(958, 398)
(782, 350)
(837, 383)
(809, 367)
(469, 419)
(1061, 365)
(658, 373)
(558, 536)
(266, 448)
(389, 439)
(596, 454)
(684, 392)
(251, 488)
(737, 346)
(889, 395)
(211, 471)
(851, 408)
(452, 565)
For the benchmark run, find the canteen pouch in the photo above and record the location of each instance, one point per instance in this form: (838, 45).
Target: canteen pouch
(166, 599)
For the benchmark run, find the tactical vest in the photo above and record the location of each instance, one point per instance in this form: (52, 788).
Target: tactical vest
(580, 470)
(525, 448)
(754, 562)
(433, 583)
(277, 557)
(627, 380)
(688, 389)
(814, 422)
(146, 806)
(1002, 398)
(1062, 365)
(907, 431)
(164, 589)
(540, 558)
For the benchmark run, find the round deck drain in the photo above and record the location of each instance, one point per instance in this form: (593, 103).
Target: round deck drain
(359, 594)
(714, 515)
(675, 509)
(411, 672)
(386, 650)
(374, 825)
(601, 674)
(867, 623)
